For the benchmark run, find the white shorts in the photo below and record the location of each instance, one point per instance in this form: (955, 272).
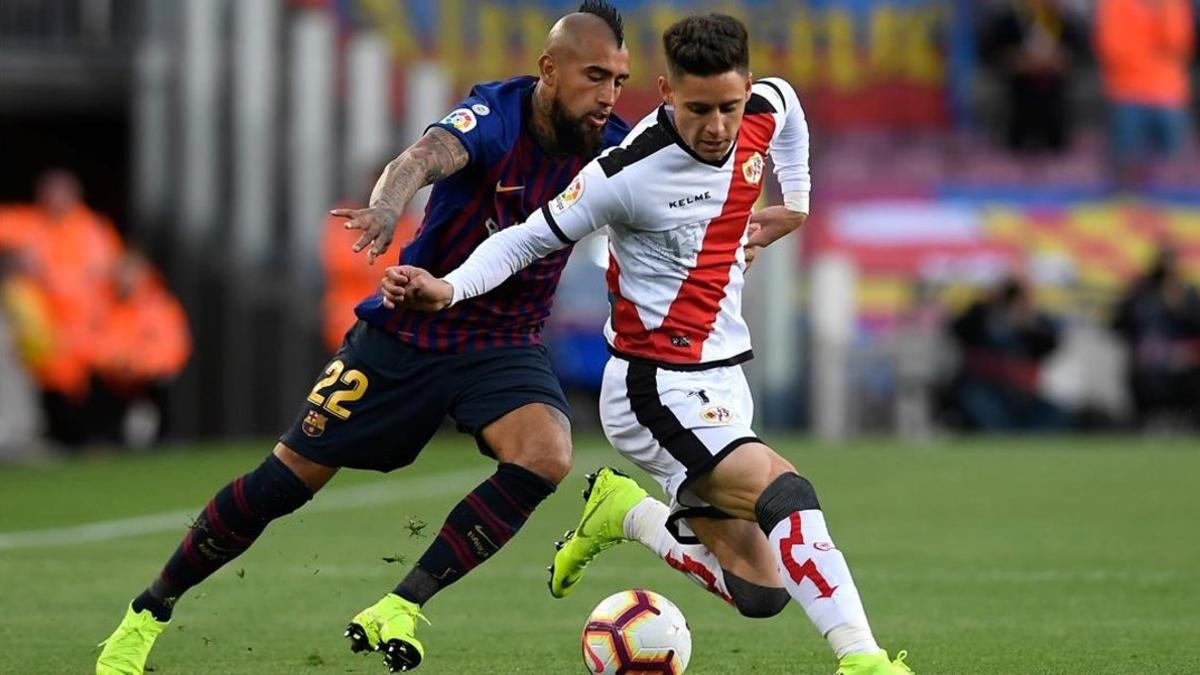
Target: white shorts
(676, 425)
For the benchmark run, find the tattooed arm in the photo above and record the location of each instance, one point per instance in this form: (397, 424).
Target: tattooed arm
(438, 154)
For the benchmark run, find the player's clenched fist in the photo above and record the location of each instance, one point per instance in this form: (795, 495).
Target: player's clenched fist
(414, 288)
(378, 223)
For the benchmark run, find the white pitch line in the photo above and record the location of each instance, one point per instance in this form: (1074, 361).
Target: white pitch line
(334, 500)
(383, 492)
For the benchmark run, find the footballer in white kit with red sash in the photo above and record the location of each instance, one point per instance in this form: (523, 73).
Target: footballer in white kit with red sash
(676, 200)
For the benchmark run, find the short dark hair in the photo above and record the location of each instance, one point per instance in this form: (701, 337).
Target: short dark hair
(708, 44)
(610, 15)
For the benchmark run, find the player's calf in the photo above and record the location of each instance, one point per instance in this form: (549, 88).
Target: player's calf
(814, 571)
(478, 526)
(754, 601)
(228, 525)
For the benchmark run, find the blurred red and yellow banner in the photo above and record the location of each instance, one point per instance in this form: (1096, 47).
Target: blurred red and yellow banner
(878, 63)
(1080, 255)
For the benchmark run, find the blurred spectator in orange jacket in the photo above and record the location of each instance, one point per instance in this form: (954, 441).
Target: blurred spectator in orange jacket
(1144, 47)
(141, 344)
(144, 336)
(68, 249)
(349, 278)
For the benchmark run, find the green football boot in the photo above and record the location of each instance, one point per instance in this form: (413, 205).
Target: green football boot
(389, 626)
(608, 497)
(874, 664)
(125, 651)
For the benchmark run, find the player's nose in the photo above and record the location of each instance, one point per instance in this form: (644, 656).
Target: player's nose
(713, 127)
(607, 96)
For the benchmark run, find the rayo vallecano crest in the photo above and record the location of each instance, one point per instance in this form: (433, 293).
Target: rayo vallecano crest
(752, 169)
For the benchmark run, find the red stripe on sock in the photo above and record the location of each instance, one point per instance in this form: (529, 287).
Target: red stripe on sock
(799, 572)
(508, 497)
(497, 526)
(239, 497)
(189, 551)
(696, 569)
(213, 515)
(460, 548)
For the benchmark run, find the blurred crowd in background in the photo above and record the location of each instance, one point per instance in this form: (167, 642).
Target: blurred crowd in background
(90, 335)
(1013, 185)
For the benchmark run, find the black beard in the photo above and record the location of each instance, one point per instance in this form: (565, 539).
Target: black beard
(574, 136)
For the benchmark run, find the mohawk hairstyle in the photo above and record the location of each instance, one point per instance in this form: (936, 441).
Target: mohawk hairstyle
(610, 15)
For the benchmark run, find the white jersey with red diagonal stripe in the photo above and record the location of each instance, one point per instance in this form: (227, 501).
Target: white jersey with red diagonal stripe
(676, 267)
(677, 230)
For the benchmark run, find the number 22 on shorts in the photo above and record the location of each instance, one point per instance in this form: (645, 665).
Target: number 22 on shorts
(334, 372)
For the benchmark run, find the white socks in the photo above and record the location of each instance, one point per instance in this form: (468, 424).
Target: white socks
(646, 522)
(816, 576)
(813, 571)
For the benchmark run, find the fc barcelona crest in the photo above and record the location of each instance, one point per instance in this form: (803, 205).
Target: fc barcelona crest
(752, 169)
(314, 424)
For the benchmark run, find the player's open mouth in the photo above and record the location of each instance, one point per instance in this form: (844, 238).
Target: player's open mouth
(712, 146)
(597, 120)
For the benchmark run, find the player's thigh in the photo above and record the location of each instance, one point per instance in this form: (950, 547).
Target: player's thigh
(735, 484)
(678, 426)
(511, 401)
(373, 406)
(740, 547)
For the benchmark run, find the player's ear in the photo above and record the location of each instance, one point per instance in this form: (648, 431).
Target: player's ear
(547, 69)
(749, 83)
(664, 90)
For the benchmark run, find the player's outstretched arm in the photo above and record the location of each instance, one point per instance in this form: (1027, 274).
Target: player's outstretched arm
(414, 288)
(436, 155)
(496, 259)
(590, 202)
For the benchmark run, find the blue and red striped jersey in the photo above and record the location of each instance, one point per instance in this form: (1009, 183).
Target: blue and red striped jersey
(506, 179)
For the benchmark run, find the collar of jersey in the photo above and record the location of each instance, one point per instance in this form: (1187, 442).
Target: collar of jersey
(665, 121)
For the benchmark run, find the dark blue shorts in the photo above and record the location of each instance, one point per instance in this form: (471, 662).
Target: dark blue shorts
(379, 401)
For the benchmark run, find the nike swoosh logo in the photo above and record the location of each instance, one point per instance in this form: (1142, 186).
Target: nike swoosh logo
(511, 188)
(479, 529)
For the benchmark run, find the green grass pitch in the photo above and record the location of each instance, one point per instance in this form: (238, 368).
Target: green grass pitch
(1077, 556)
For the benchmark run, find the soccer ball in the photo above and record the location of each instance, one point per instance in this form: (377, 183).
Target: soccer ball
(636, 631)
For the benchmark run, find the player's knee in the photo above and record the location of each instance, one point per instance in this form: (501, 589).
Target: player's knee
(548, 454)
(754, 601)
(313, 475)
(548, 459)
(276, 488)
(785, 495)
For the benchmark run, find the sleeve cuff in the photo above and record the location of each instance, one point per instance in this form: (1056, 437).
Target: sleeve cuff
(796, 201)
(456, 292)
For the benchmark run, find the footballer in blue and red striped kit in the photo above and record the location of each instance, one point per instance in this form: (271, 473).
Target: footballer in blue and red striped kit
(508, 177)
(498, 155)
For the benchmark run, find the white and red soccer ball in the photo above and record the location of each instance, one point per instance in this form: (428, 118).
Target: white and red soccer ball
(636, 631)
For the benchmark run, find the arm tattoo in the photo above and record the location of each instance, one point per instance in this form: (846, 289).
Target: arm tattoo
(436, 155)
